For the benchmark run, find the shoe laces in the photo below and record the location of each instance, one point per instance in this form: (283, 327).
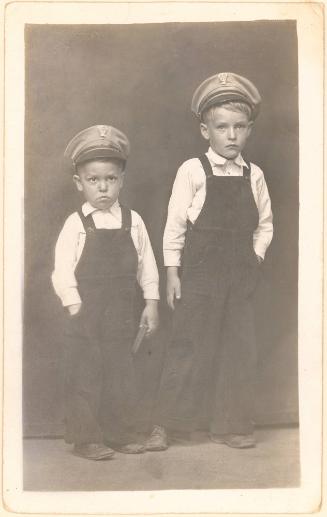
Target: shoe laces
(158, 431)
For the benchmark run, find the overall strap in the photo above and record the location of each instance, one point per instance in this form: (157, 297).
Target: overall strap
(87, 221)
(126, 218)
(206, 165)
(247, 172)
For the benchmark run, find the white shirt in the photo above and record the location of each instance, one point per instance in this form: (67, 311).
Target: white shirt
(71, 242)
(187, 199)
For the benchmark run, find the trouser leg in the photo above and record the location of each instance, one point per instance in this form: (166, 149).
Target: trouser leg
(184, 376)
(235, 365)
(119, 401)
(83, 380)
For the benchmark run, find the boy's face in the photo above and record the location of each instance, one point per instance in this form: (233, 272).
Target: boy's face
(100, 182)
(227, 131)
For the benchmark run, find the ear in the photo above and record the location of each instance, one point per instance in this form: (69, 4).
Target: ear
(204, 131)
(250, 126)
(78, 183)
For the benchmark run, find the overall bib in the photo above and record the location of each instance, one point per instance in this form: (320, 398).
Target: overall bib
(100, 378)
(210, 362)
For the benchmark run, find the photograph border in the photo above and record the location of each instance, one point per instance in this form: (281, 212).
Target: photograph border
(305, 499)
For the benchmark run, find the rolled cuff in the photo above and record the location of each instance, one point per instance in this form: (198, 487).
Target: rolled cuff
(151, 292)
(70, 296)
(172, 257)
(259, 250)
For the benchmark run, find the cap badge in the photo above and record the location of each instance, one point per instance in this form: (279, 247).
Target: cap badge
(223, 78)
(103, 130)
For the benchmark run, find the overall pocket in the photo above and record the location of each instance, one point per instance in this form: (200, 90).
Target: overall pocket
(253, 274)
(74, 324)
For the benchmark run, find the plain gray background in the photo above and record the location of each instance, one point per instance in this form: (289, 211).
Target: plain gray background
(140, 78)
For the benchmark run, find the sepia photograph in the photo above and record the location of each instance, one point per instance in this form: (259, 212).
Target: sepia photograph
(161, 259)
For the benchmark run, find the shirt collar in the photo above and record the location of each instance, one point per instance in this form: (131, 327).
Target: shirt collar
(217, 159)
(88, 209)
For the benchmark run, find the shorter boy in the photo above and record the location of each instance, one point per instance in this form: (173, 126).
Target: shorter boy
(102, 251)
(218, 228)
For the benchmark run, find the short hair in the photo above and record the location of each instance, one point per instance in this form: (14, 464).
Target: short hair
(241, 107)
(118, 161)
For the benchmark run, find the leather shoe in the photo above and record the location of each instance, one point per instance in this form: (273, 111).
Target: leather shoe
(158, 440)
(93, 451)
(237, 441)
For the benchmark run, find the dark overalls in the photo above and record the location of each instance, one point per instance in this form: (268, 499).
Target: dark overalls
(210, 362)
(100, 391)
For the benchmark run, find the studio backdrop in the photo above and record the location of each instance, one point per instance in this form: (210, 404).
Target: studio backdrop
(140, 78)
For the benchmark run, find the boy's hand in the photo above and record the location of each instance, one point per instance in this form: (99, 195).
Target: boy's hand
(74, 309)
(150, 316)
(173, 286)
(259, 259)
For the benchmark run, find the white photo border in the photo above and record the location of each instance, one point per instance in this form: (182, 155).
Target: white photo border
(305, 499)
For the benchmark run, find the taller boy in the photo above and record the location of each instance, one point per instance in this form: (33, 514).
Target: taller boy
(218, 229)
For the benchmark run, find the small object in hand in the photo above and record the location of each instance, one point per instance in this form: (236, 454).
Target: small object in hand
(139, 338)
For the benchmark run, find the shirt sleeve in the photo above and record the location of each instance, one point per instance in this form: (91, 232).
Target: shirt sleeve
(176, 225)
(263, 234)
(63, 276)
(147, 272)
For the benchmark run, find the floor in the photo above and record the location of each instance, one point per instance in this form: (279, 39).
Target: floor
(274, 463)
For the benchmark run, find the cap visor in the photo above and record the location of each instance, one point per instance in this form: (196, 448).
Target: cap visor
(103, 152)
(224, 97)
